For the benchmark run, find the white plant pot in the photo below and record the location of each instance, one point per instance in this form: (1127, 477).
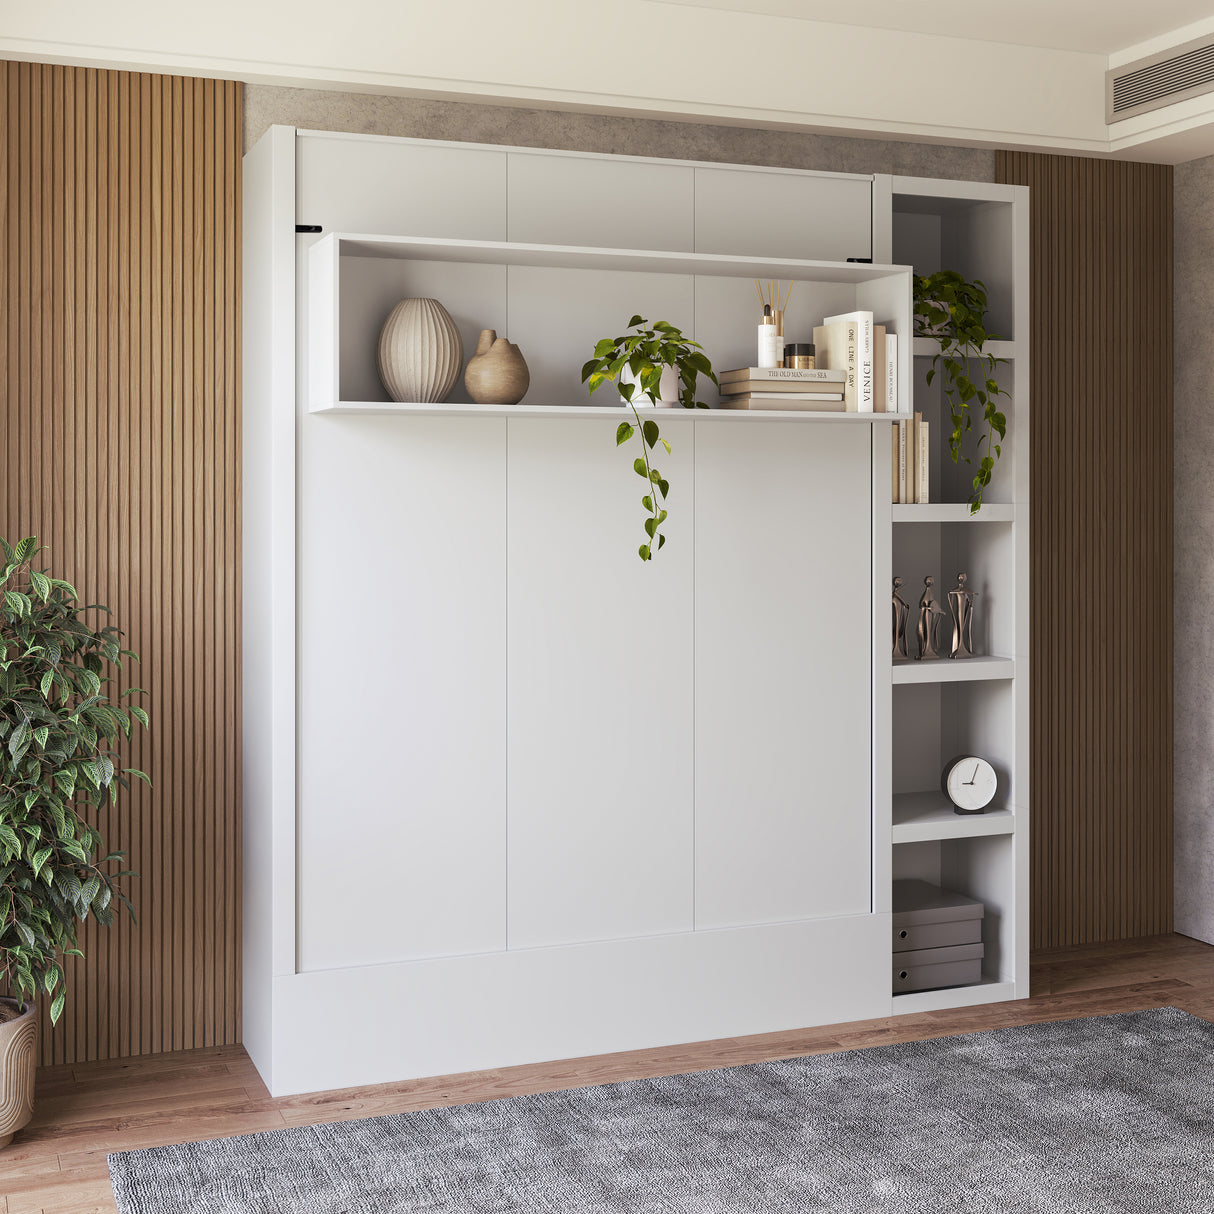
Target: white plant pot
(668, 390)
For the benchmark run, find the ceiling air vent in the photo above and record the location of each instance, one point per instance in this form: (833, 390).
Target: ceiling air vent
(1159, 80)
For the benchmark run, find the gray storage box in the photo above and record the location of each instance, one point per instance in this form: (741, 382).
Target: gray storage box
(929, 969)
(926, 916)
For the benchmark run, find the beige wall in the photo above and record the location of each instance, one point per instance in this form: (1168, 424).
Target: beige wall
(317, 109)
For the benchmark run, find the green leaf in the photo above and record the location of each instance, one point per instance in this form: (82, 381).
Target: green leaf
(661, 541)
(643, 552)
(666, 445)
(624, 431)
(57, 1006)
(650, 430)
(638, 466)
(651, 525)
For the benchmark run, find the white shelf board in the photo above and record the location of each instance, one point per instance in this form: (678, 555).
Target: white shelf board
(919, 817)
(575, 257)
(990, 990)
(955, 512)
(610, 412)
(962, 670)
(925, 347)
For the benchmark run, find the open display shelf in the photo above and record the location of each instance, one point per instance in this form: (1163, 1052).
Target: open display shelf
(555, 302)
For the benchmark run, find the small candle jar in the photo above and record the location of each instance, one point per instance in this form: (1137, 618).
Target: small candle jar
(799, 356)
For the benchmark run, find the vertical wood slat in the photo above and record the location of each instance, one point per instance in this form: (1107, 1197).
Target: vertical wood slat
(119, 349)
(1101, 545)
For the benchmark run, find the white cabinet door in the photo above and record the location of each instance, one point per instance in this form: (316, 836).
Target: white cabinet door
(402, 779)
(803, 215)
(599, 661)
(601, 201)
(783, 672)
(351, 183)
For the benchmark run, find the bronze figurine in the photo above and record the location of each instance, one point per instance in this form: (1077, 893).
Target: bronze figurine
(961, 607)
(901, 615)
(930, 616)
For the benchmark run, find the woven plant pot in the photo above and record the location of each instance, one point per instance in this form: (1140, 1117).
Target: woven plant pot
(420, 352)
(18, 1060)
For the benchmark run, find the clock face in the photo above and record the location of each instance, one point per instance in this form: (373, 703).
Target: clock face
(970, 783)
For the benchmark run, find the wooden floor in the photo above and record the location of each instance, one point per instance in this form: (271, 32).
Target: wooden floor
(57, 1164)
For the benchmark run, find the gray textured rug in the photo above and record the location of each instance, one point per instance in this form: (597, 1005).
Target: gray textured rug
(1110, 1113)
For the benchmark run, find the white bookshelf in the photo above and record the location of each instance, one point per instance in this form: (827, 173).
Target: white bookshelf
(945, 707)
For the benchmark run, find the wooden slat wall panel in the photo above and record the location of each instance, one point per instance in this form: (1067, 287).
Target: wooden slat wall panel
(1101, 545)
(119, 367)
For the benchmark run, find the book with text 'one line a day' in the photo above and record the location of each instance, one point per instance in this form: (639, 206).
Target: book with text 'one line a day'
(865, 336)
(807, 402)
(837, 349)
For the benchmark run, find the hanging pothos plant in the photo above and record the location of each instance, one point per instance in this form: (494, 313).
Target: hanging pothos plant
(644, 354)
(952, 311)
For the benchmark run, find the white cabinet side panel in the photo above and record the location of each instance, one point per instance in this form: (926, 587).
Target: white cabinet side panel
(402, 689)
(600, 699)
(782, 673)
(783, 215)
(401, 189)
(613, 204)
(504, 1009)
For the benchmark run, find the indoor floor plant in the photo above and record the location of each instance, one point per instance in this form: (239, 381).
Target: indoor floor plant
(951, 311)
(635, 362)
(59, 729)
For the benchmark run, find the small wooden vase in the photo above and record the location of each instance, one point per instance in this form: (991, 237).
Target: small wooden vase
(420, 352)
(497, 373)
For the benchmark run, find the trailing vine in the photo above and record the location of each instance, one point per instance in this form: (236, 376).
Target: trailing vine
(952, 311)
(645, 353)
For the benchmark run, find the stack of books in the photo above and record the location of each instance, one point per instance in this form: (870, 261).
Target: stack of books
(867, 354)
(911, 442)
(782, 388)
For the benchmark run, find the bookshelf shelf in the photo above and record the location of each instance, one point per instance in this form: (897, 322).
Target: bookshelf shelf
(944, 670)
(989, 990)
(955, 512)
(923, 816)
(925, 347)
(590, 412)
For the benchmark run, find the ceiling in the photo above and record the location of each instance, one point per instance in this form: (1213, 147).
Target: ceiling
(1094, 26)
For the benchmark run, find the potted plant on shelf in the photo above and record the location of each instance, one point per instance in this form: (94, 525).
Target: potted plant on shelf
(636, 362)
(58, 731)
(952, 311)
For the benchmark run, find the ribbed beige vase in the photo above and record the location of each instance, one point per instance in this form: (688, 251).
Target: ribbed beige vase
(420, 352)
(18, 1059)
(497, 373)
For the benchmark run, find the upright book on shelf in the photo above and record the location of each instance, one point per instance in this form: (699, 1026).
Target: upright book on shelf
(864, 371)
(891, 371)
(837, 348)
